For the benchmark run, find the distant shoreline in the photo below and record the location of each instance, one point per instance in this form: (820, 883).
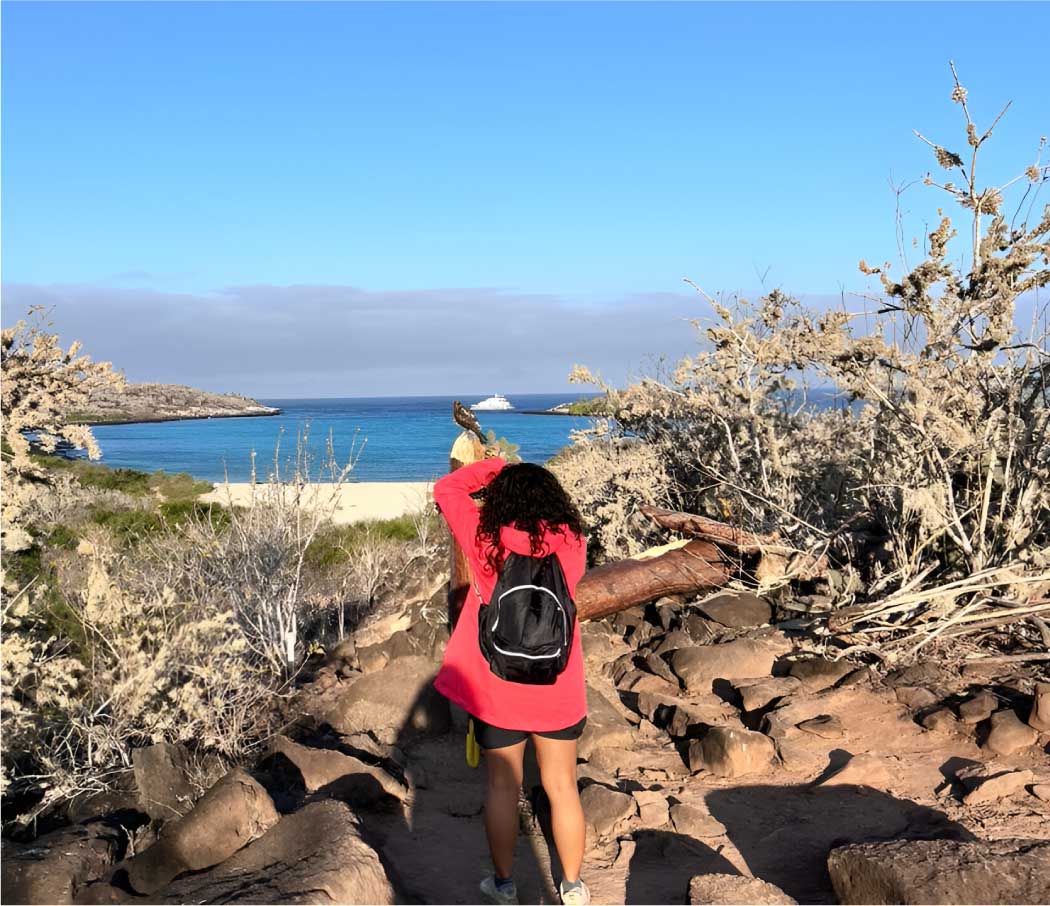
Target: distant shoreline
(91, 423)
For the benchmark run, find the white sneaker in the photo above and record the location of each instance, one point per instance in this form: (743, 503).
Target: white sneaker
(492, 893)
(577, 895)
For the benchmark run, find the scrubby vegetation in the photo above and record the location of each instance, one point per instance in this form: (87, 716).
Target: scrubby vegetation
(134, 612)
(928, 484)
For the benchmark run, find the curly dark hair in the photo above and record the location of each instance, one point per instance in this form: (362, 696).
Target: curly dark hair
(530, 498)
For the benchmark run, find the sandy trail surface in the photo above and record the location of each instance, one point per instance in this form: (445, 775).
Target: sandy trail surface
(352, 502)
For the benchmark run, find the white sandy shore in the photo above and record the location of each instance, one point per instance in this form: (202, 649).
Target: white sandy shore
(352, 502)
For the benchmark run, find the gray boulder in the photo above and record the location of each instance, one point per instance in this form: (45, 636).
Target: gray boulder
(698, 667)
(942, 871)
(233, 813)
(315, 855)
(730, 890)
(399, 698)
(161, 777)
(731, 752)
(739, 609)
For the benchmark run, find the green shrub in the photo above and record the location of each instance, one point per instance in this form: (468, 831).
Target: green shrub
(179, 512)
(334, 544)
(180, 486)
(128, 526)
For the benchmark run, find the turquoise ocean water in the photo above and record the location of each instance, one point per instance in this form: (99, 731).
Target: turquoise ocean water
(399, 438)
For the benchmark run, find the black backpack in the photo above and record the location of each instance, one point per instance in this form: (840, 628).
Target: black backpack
(526, 630)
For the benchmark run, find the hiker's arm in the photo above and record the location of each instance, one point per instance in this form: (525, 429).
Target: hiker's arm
(452, 497)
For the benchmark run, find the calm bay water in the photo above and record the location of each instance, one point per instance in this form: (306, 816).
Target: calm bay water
(399, 438)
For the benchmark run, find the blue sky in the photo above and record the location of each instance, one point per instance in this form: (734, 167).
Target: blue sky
(162, 156)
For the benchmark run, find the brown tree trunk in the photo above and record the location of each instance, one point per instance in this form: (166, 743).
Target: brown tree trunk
(695, 566)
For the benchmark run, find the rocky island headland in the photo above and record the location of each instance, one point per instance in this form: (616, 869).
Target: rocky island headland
(150, 402)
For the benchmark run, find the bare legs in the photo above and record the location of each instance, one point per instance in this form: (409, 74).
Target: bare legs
(557, 762)
(501, 804)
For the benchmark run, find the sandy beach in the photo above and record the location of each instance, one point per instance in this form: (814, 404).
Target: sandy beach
(352, 502)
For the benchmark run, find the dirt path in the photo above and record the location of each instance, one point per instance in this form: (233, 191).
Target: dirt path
(778, 826)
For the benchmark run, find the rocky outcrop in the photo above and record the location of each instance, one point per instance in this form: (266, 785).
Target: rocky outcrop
(57, 865)
(165, 402)
(942, 871)
(316, 855)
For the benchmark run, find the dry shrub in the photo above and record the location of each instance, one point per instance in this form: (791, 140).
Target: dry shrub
(610, 478)
(256, 566)
(43, 385)
(934, 465)
(142, 664)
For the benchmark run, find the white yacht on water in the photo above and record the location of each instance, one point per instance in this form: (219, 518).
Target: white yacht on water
(496, 402)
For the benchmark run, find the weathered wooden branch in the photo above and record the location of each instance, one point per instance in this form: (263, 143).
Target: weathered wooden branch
(712, 530)
(776, 559)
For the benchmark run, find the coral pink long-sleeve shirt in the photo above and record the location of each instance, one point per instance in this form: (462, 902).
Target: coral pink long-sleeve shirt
(465, 676)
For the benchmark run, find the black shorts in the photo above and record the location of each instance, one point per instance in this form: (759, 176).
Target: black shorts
(490, 737)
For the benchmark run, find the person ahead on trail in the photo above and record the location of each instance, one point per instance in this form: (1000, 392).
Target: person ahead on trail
(514, 660)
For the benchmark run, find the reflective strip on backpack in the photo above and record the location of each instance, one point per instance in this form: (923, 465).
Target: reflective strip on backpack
(530, 657)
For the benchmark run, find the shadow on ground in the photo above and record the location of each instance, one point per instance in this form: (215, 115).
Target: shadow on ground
(785, 833)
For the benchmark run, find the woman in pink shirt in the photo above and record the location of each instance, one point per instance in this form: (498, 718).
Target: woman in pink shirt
(526, 511)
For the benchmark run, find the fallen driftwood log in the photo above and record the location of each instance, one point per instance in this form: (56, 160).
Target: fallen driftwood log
(686, 569)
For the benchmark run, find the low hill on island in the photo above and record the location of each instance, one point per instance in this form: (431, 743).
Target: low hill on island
(166, 402)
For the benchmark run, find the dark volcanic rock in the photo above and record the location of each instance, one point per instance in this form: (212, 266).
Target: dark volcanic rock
(605, 810)
(55, 866)
(979, 707)
(161, 776)
(399, 698)
(819, 673)
(739, 609)
(700, 666)
(730, 752)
